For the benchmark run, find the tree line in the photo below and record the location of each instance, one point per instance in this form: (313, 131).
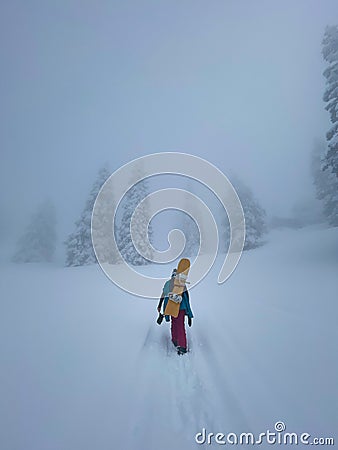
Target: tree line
(38, 243)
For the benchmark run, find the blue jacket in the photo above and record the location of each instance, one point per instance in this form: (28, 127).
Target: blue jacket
(185, 303)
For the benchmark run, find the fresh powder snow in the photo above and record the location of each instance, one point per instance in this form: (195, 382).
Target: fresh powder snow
(85, 366)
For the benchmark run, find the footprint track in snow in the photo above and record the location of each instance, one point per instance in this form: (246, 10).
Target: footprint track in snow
(169, 391)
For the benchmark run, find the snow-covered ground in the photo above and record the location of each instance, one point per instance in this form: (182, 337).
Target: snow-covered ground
(85, 366)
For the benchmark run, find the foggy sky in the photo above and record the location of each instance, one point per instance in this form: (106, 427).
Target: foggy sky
(237, 82)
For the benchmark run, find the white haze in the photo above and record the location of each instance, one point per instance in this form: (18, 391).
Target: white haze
(237, 82)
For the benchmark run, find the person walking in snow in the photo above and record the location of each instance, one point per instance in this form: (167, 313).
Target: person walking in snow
(178, 333)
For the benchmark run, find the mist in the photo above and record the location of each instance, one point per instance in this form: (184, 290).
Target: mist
(238, 83)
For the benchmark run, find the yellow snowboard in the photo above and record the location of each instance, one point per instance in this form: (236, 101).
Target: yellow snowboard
(175, 296)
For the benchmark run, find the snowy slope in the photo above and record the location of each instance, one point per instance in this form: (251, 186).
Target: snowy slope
(85, 366)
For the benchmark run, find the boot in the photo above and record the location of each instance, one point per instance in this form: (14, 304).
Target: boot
(181, 350)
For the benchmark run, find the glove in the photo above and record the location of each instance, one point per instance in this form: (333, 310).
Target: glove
(160, 318)
(189, 321)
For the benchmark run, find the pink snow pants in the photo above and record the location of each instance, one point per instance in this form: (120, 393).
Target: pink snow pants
(178, 335)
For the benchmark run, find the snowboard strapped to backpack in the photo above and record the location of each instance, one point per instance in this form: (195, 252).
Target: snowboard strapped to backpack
(177, 286)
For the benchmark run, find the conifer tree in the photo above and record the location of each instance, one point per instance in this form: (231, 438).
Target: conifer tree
(38, 242)
(133, 198)
(255, 218)
(79, 247)
(330, 193)
(330, 54)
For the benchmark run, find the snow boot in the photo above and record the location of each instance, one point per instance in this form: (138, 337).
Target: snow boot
(181, 350)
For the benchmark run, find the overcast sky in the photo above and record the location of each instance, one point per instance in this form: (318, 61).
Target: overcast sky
(83, 82)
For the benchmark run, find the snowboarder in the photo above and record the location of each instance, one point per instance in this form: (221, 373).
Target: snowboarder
(178, 334)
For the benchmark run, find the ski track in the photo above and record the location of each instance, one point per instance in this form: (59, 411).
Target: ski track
(173, 399)
(176, 396)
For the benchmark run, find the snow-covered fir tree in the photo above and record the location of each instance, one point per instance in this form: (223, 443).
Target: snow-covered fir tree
(191, 233)
(79, 247)
(330, 54)
(255, 218)
(133, 197)
(103, 227)
(330, 194)
(189, 228)
(38, 242)
(325, 182)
